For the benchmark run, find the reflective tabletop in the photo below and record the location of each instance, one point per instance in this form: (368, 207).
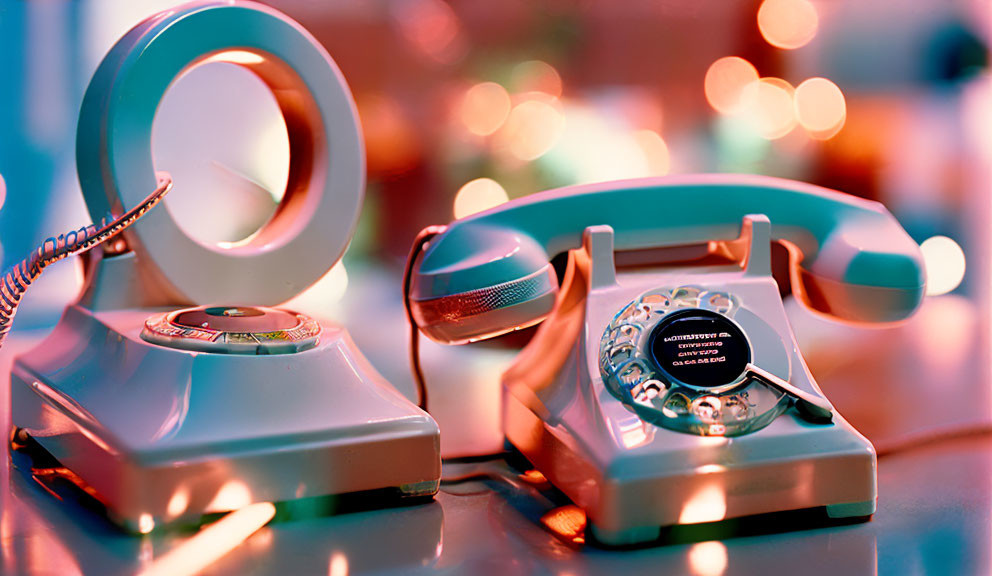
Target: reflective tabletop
(493, 515)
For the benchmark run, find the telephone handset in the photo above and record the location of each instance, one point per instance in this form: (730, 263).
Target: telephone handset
(649, 395)
(489, 273)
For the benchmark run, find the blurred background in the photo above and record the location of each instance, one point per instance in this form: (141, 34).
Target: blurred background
(467, 104)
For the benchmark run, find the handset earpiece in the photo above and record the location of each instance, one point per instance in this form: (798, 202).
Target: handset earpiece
(843, 279)
(514, 286)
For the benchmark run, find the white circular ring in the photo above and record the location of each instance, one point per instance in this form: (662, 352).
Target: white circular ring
(312, 227)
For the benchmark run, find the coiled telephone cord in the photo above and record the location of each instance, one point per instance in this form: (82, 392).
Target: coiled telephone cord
(18, 277)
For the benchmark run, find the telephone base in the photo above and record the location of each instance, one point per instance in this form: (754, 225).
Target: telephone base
(630, 496)
(39, 467)
(163, 436)
(756, 525)
(639, 465)
(851, 510)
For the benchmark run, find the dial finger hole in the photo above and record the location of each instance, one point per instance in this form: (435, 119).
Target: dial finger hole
(628, 312)
(707, 408)
(676, 405)
(686, 296)
(735, 408)
(625, 333)
(635, 312)
(632, 374)
(719, 302)
(653, 389)
(648, 391)
(658, 302)
(620, 353)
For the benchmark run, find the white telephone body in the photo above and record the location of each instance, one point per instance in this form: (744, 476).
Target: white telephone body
(660, 395)
(167, 412)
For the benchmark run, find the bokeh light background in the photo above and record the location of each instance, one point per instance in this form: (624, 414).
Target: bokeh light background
(465, 105)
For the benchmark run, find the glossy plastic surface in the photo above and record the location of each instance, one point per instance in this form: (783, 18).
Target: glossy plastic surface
(163, 434)
(934, 506)
(855, 261)
(315, 221)
(738, 406)
(633, 477)
(143, 424)
(233, 330)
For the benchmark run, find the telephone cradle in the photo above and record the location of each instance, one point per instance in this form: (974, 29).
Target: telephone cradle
(670, 390)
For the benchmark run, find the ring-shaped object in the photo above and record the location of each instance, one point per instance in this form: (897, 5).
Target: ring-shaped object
(315, 221)
(233, 330)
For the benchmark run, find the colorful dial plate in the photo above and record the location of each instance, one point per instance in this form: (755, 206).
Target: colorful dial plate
(672, 356)
(233, 330)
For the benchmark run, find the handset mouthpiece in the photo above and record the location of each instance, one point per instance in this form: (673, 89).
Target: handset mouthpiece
(513, 285)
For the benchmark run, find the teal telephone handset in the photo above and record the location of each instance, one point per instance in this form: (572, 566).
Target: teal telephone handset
(489, 273)
(649, 388)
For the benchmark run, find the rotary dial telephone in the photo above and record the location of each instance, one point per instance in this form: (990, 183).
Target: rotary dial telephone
(652, 387)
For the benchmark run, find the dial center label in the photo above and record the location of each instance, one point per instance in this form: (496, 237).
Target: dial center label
(700, 348)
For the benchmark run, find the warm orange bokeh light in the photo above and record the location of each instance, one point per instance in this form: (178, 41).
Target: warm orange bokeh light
(478, 195)
(533, 477)
(725, 81)
(566, 522)
(788, 24)
(232, 495)
(945, 264)
(767, 105)
(533, 128)
(178, 504)
(391, 140)
(708, 504)
(655, 151)
(820, 107)
(485, 108)
(708, 558)
(536, 76)
(146, 523)
(338, 565)
(213, 542)
(432, 27)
